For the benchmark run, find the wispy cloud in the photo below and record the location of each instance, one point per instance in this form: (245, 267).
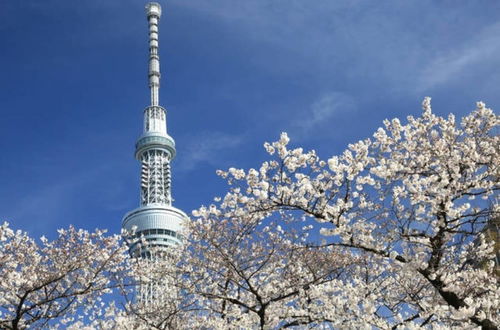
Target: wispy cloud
(43, 206)
(405, 46)
(208, 148)
(479, 51)
(323, 112)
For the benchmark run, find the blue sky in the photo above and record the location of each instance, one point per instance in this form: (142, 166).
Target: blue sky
(234, 74)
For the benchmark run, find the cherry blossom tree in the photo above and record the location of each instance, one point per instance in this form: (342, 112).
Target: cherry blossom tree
(150, 296)
(393, 233)
(84, 280)
(252, 272)
(52, 282)
(413, 201)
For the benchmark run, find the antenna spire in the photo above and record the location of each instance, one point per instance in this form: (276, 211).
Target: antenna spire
(153, 13)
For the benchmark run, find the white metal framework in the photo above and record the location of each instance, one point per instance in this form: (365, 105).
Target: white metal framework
(155, 178)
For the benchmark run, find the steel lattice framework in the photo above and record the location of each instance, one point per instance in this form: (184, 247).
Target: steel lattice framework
(155, 178)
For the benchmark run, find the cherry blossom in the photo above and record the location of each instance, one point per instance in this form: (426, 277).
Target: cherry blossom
(413, 201)
(55, 280)
(391, 233)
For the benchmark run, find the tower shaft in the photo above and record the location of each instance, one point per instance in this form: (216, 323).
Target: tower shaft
(155, 219)
(155, 161)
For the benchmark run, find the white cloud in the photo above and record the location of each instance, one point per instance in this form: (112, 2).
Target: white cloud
(323, 111)
(407, 47)
(206, 147)
(476, 52)
(43, 206)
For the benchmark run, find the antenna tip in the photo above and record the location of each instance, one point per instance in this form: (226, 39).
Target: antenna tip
(153, 9)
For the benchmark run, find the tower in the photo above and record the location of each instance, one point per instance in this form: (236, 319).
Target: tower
(155, 219)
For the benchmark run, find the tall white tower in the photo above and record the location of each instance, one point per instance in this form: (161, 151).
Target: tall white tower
(156, 219)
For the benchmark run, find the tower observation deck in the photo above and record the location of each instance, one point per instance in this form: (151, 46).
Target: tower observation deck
(155, 219)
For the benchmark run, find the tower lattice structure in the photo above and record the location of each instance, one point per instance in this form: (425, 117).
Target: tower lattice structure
(156, 219)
